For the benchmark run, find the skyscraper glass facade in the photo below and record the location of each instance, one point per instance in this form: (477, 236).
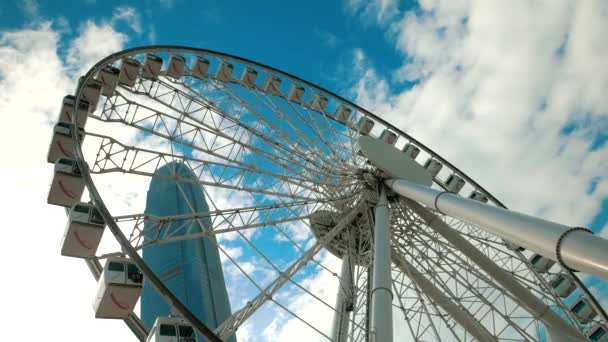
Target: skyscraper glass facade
(190, 268)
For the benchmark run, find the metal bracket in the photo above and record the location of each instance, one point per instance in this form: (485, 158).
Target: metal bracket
(559, 245)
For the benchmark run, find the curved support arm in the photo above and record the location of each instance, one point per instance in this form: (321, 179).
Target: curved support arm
(578, 249)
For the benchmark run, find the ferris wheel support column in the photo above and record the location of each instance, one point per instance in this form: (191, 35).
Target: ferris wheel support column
(381, 294)
(574, 248)
(344, 301)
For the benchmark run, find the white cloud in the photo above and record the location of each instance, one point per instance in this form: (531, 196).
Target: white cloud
(94, 42)
(379, 11)
(495, 84)
(30, 7)
(327, 38)
(324, 285)
(33, 80)
(129, 16)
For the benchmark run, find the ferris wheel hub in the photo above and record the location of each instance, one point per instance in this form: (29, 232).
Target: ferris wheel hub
(349, 241)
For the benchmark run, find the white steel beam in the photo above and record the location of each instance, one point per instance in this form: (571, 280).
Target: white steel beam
(381, 295)
(576, 248)
(457, 312)
(344, 302)
(552, 321)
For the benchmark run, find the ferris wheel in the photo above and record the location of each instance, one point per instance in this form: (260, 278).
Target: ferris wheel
(297, 176)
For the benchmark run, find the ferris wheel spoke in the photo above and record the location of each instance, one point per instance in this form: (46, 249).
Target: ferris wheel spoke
(510, 261)
(515, 266)
(267, 104)
(443, 296)
(474, 289)
(318, 148)
(137, 161)
(282, 147)
(191, 133)
(229, 326)
(287, 167)
(337, 139)
(436, 306)
(360, 305)
(518, 267)
(198, 134)
(125, 158)
(419, 300)
(239, 317)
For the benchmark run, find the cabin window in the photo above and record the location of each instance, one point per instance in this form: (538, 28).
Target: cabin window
(535, 259)
(116, 266)
(96, 216)
(578, 307)
(186, 331)
(134, 274)
(81, 209)
(167, 330)
(75, 169)
(597, 334)
(558, 281)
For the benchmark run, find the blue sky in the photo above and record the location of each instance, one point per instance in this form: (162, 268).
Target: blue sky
(314, 39)
(513, 94)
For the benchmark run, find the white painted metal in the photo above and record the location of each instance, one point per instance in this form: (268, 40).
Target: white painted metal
(433, 166)
(454, 183)
(411, 150)
(579, 249)
(67, 185)
(598, 334)
(229, 326)
(248, 77)
(562, 285)
(394, 163)
(83, 231)
(343, 113)
(388, 137)
(534, 305)
(129, 70)
(313, 157)
(201, 68)
(381, 293)
(344, 302)
(272, 85)
(318, 103)
(365, 125)
(171, 329)
(152, 66)
(118, 289)
(296, 93)
(224, 72)
(90, 93)
(176, 67)
(540, 263)
(582, 309)
(67, 110)
(108, 77)
(478, 196)
(62, 144)
(451, 307)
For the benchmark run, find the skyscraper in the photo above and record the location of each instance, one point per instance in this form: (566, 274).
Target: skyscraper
(190, 268)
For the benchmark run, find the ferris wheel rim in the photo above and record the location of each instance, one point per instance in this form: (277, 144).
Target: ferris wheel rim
(179, 48)
(176, 49)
